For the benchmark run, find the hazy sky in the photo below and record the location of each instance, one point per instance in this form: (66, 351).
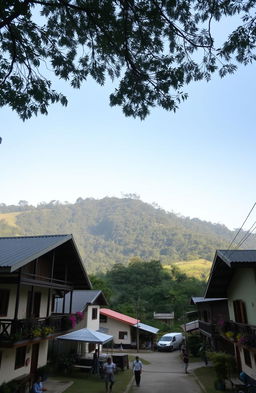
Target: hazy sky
(199, 162)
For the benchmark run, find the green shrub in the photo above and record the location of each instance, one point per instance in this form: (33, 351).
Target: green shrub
(223, 363)
(194, 344)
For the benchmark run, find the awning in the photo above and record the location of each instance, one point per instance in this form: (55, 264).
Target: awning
(87, 335)
(146, 328)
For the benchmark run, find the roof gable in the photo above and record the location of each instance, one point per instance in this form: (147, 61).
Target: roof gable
(224, 264)
(119, 317)
(16, 252)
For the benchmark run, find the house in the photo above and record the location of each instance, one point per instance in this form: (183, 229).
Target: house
(210, 312)
(86, 305)
(233, 277)
(127, 331)
(34, 271)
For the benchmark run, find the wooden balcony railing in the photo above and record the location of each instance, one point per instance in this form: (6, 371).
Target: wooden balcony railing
(240, 328)
(12, 330)
(207, 327)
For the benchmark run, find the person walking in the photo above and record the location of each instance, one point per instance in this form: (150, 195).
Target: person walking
(137, 369)
(95, 366)
(185, 360)
(109, 369)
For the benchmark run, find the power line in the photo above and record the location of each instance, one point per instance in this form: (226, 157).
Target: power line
(241, 226)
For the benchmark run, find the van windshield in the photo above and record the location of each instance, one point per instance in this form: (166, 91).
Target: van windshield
(168, 338)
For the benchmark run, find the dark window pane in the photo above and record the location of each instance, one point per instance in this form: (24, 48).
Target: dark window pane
(247, 358)
(20, 357)
(4, 301)
(94, 313)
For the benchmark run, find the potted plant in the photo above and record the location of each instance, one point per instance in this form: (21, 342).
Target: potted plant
(224, 366)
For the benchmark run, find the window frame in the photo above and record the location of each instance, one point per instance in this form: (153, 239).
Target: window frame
(122, 335)
(247, 357)
(94, 313)
(20, 357)
(4, 303)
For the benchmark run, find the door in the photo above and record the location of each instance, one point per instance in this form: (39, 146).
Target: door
(34, 358)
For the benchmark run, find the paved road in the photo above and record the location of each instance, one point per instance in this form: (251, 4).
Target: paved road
(165, 374)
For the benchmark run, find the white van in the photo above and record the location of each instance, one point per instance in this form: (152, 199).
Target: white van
(170, 341)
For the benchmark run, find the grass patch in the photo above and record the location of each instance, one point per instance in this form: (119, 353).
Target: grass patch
(207, 376)
(198, 268)
(10, 218)
(93, 383)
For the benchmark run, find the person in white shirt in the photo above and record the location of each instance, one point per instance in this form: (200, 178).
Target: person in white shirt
(109, 368)
(137, 369)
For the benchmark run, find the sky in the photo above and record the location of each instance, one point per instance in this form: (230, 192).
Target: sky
(198, 162)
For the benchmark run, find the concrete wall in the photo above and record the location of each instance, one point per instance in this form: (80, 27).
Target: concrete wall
(93, 324)
(114, 327)
(243, 287)
(7, 368)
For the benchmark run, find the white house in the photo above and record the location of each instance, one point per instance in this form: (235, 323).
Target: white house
(34, 271)
(126, 331)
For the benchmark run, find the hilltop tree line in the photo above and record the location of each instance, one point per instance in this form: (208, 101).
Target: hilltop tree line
(113, 230)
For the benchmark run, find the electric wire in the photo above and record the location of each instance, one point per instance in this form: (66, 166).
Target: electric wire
(241, 226)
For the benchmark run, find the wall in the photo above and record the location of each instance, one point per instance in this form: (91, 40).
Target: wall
(114, 327)
(93, 323)
(7, 369)
(243, 287)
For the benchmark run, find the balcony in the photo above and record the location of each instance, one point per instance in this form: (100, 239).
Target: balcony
(240, 328)
(12, 331)
(208, 328)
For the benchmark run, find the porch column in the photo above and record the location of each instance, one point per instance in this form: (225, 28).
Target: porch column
(50, 289)
(17, 303)
(71, 299)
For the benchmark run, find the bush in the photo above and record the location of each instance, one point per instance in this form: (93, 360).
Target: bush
(223, 363)
(194, 344)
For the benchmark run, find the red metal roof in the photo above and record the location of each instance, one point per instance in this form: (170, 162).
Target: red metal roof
(118, 316)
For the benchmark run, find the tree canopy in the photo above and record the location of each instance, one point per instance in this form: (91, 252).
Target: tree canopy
(151, 289)
(153, 48)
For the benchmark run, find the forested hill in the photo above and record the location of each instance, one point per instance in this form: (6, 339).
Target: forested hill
(113, 230)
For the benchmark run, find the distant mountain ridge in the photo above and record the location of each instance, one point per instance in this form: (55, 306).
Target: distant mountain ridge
(113, 230)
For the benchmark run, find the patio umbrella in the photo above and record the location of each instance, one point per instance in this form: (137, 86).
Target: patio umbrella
(87, 336)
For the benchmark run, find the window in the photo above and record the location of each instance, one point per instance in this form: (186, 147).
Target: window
(94, 313)
(33, 304)
(4, 301)
(240, 311)
(103, 318)
(122, 335)
(205, 316)
(20, 357)
(247, 358)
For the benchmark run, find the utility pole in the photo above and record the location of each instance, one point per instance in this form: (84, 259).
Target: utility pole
(137, 328)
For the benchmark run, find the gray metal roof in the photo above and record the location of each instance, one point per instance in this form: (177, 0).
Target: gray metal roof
(18, 251)
(80, 300)
(87, 335)
(146, 328)
(237, 256)
(196, 300)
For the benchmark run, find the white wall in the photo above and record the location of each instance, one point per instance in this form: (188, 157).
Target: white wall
(114, 327)
(243, 287)
(7, 369)
(93, 324)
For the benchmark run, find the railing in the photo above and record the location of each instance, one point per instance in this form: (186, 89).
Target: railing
(240, 328)
(50, 280)
(207, 327)
(12, 330)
